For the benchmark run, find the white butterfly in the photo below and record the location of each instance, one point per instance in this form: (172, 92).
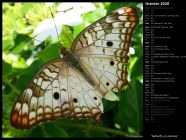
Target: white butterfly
(93, 69)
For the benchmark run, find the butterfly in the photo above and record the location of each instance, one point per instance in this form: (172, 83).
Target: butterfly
(74, 85)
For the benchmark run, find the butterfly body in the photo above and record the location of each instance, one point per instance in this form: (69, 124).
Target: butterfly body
(74, 86)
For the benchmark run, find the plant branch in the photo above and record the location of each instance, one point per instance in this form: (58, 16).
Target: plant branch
(98, 128)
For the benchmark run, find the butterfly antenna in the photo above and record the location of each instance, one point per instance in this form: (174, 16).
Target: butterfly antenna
(55, 27)
(32, 39)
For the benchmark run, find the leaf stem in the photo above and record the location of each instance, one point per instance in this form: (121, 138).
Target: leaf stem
(98, 128)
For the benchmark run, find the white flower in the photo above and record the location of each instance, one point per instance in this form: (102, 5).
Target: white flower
(49, 4)
(131, 50)
(69, 18)
(72, 17)
(79, 8)
(46, 28)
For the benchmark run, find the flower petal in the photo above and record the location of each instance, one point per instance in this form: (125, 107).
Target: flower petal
(85, 7)
(76, 21)
(65, 6)
(44, 25)
(40, 38)
(49, 4)
(55, 32)
(131, 50)
(78, 8)
(47, 28)
(69, 19)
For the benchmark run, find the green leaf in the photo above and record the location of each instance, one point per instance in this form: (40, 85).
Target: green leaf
(26, 75)
(95, 15)
(78, 29)
(49, 53)
(66, 37)
(8, 43)
(108, 105)
(88, 19)
(97, 134)
(130, 109)
(116, 5)
(20, 42)
(53, 130)
(6, 68)
(26, 7)
(36, 132)
(77, 133)
(137, 69)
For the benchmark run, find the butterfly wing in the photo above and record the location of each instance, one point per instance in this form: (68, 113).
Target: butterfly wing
(58, 89)
(102, 49)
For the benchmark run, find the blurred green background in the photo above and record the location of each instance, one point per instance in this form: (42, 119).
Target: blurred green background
(21, 60)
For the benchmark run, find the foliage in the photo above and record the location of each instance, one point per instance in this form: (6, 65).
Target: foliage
(21, 60)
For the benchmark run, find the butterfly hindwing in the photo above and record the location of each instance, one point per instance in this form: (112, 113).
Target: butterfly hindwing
(58, 89)
(103, 49)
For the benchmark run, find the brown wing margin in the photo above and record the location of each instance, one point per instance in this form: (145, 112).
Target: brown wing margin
(20, 119)
(121, 11)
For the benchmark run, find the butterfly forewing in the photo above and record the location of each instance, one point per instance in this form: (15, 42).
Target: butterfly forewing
(103, 49)
(58, 89)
